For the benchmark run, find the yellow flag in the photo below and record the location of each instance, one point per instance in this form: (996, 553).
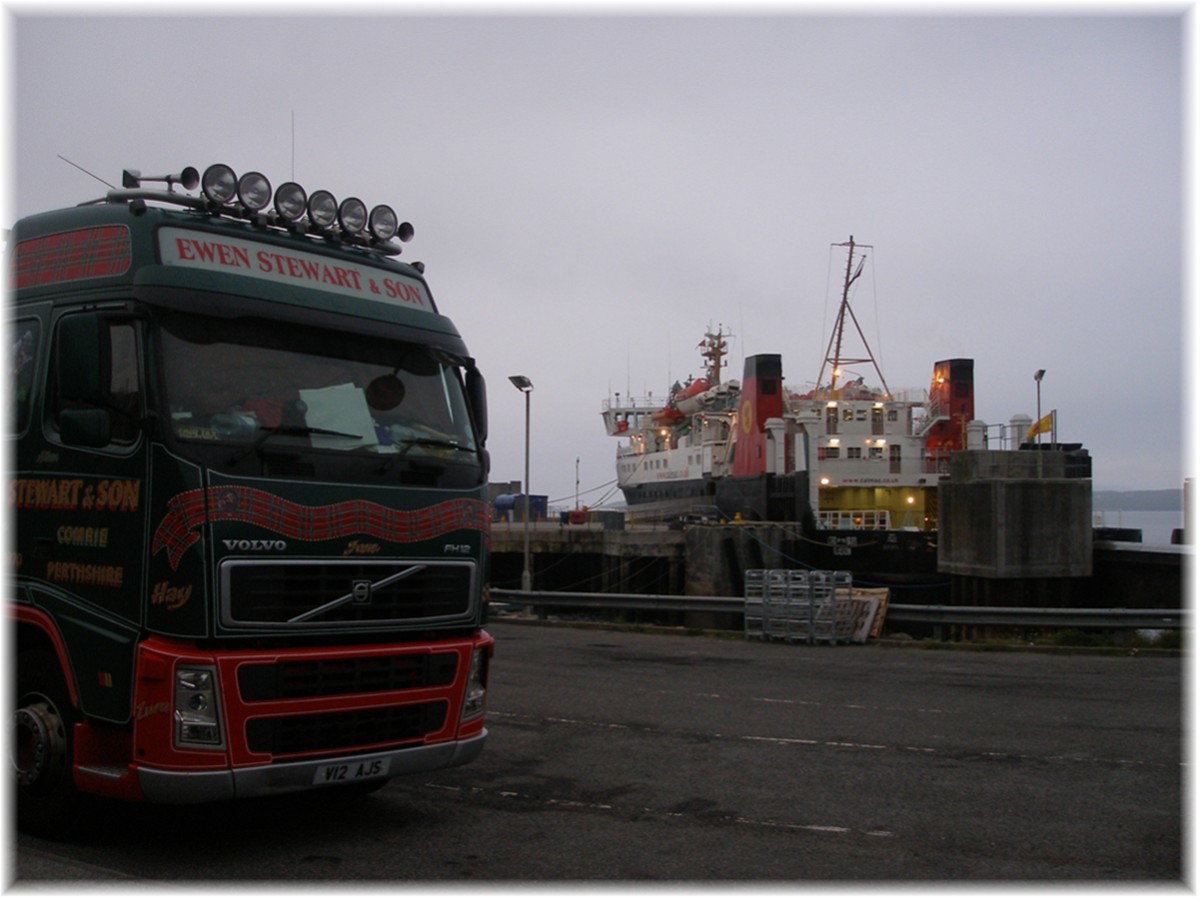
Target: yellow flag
(1042, 426)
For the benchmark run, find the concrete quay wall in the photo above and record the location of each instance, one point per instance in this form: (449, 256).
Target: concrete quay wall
(1014, 515)
(710, 560)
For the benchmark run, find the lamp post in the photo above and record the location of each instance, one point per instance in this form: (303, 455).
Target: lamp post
(525, 386)
(1037, 377)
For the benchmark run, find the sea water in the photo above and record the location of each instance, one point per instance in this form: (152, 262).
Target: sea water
(1156, 524)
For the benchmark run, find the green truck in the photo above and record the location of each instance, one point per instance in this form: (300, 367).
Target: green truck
(248, 494)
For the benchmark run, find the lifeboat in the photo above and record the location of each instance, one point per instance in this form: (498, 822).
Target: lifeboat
(683, 402)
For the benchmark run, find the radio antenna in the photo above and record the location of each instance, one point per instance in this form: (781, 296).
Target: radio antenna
(85, 171)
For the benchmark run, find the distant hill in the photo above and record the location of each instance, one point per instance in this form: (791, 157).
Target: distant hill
(1171, 499)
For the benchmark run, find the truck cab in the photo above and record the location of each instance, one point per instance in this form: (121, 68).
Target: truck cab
(248, 496)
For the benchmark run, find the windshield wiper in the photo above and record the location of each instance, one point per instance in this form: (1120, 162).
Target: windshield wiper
(269, 432)
(432, 464)
(432, 442)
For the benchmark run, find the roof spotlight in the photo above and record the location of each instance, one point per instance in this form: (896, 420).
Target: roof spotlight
(322, 209)
(352, 215)
(383, 223)
(405, 231)
(254, 191)
(290, 201)
(219, 184)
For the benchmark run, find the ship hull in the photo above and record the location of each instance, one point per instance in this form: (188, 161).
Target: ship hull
(758, 498)
(672, 500)
(881, 557)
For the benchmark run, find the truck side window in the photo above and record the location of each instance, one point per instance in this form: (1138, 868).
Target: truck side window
(22, 368)
(125, 386)
(119, 379)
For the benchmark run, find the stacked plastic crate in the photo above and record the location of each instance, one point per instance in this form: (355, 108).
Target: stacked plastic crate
(800, 606)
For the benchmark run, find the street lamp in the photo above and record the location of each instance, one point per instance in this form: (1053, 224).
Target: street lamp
(525, 386)
(1037, 377)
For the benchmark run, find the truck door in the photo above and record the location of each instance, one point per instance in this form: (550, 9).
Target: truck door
(81, 521)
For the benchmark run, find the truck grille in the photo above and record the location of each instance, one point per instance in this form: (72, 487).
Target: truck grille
(311, 593)
(338, 730)
(355, 675)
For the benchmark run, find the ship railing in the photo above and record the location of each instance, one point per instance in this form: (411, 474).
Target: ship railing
(854, 520)
(936, 464)
(934, 414)
(648, 403)
(914, 396)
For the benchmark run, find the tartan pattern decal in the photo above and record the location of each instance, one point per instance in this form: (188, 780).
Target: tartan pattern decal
(178, 529)
(83, 253)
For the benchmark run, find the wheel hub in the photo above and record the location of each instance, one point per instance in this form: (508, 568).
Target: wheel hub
(38, 743)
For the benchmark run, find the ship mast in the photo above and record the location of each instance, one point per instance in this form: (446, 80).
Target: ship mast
(714, 350)
(833, 352)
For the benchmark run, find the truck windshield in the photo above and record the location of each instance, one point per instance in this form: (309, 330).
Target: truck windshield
(253, 388)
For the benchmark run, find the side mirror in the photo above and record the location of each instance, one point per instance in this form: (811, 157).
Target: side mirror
(80, 359)
(477, 397)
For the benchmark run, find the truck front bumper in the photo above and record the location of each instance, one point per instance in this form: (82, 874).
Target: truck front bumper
(165, 786)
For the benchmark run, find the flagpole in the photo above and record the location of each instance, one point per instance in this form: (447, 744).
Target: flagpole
(1037, 377)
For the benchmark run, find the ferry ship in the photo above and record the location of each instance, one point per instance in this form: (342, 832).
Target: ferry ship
(854, 464)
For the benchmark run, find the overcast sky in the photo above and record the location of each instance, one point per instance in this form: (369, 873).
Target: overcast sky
(590, 194)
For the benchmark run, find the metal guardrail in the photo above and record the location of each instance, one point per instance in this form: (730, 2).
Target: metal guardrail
(656, 602)
(1031, 616)
(1024, 616)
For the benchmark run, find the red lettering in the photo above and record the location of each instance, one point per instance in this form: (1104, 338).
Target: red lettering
(204, 251)
(302, 267)
(312, 271)
(233, 256)
(268, 262)
(404, 292)
(213, 252)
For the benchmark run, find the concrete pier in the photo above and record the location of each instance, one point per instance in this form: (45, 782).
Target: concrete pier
(1015, 527)
(1015, 531)
(592, 556)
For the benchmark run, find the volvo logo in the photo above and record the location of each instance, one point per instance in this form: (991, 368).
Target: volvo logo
(360, 590)
(278, 546)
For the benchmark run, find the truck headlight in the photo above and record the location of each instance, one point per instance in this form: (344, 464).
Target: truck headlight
(473, 699)
(197, 708)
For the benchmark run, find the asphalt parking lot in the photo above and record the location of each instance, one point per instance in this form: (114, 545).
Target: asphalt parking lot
(618, 757)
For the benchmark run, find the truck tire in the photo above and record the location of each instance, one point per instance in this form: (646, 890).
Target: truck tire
(48, 803)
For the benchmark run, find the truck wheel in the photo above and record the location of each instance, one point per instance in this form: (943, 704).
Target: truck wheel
(48, 803)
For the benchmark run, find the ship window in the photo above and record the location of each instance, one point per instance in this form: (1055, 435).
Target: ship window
(854, 453)
(875, 452)
(893, 415)
(847, 414)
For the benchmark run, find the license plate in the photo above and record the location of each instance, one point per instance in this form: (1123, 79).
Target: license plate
(353, 771)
